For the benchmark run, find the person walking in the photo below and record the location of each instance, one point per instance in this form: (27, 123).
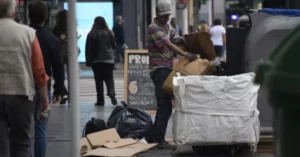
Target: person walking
(161, 45)
(60, 31)
(22, 69)
(175, 26)
(218, 37)
(99, 51)
(53, 60)
(119, 33)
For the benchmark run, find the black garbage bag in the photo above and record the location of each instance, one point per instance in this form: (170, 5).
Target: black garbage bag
(131, 122)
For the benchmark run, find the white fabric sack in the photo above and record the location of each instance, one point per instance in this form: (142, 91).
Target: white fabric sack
(213, 110)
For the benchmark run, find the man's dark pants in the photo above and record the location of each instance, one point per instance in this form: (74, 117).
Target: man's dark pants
(16, 126)
(164, 104)
(119, 54)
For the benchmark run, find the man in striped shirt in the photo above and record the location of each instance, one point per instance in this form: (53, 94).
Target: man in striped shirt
(161, 40)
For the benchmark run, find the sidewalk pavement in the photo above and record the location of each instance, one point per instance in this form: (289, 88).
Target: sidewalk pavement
(59, 125)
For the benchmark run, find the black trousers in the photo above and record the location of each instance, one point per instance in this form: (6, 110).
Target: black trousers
(164, 104)
(103, 72)
(16, 126)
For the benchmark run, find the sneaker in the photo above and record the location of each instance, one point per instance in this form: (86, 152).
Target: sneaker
(99, 104)
(63, 100)
(114, 101)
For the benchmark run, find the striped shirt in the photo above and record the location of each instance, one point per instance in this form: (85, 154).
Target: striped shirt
(158, 37)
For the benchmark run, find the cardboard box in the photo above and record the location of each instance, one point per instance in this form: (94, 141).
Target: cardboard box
(108, 143)
(200, 43)
(185, 68)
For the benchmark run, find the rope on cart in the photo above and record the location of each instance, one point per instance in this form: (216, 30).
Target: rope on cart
(284, 12)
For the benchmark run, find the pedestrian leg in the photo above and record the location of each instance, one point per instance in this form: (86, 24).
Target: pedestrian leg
(4, 134)
(109, 82)
(20, 119)
(164, 107)
(98, 76)
(40, 136)
(64, 95)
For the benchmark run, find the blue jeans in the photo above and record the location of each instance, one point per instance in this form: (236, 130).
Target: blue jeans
(40, 135)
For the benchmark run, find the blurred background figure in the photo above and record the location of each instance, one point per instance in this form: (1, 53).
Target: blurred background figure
(218, 37)
(244, 21)
(203, 27)
(50, 46)
(99, 51)
(119, 34)
(60, 31)
(176, 27)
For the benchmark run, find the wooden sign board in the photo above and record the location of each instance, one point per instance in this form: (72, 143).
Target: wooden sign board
(139, 90)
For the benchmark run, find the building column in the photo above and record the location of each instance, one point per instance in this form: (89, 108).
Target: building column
(191, 16)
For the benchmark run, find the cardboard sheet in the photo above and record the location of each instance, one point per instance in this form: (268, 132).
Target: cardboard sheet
(98, 139)
(127, 151)
(85, 146)
(120, 143)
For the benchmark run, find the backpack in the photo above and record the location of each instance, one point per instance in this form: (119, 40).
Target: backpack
(94, 125)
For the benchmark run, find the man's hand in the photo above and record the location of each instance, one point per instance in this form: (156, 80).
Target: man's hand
(56, 99)
(191, 57)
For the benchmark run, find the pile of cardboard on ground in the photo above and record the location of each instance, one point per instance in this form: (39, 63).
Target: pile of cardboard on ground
(108, 143)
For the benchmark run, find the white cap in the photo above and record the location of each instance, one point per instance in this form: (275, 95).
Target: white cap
(163, 8)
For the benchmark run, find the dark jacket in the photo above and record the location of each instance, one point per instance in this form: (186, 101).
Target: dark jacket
(61, 32)
(119, 34)
(53, 59)
(100, 46)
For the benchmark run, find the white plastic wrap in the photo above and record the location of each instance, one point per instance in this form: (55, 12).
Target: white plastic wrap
(216, 110)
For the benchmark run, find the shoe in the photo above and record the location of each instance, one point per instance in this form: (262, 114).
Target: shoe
(63, 100)
(114, 101)
(166, 145)
(99, 104)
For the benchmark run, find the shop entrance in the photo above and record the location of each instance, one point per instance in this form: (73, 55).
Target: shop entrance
(85, 14)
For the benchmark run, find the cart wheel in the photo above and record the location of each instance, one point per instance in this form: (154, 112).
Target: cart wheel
(232, 151)
(197, 149)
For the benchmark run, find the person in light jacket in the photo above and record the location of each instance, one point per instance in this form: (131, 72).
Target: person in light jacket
(21, 70)
(99, 51)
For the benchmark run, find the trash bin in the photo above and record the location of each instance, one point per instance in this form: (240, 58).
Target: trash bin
(268, 28)
(280, 75)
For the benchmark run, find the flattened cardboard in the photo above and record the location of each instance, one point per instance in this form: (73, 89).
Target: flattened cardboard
(120, 143)
(85, 146)
(127, 151)
(98, 139)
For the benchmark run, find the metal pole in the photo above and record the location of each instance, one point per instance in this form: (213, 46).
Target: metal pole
(74, 80)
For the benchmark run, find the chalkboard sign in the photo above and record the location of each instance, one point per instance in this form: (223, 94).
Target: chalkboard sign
(139, 88)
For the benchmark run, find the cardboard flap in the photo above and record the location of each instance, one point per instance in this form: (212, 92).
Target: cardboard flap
(98, 139)
(127, 151)
(85, 146)
(120, 143)
(141, 146)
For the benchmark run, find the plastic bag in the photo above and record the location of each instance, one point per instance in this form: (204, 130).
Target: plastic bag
(130, 122)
